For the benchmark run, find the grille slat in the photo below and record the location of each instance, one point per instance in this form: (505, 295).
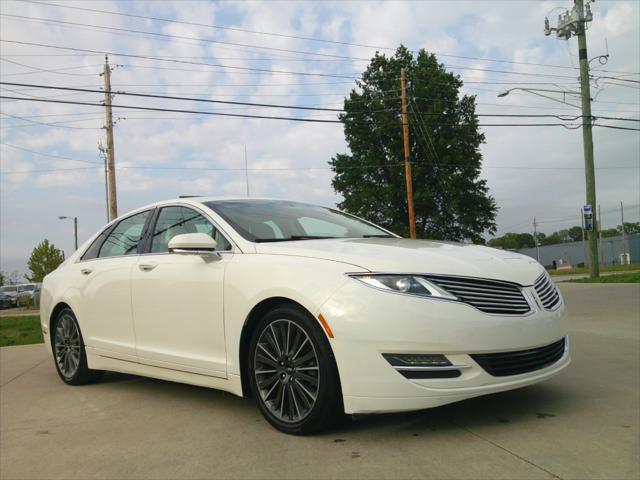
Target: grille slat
(547, 292)
(522, 355)
(497, 299)
(489, 296)
(476, 285)
(547, 297)
(482, 293)
(488, 301)
(539, 358)
(523, 361)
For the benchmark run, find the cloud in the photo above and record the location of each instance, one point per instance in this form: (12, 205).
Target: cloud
(501, 30)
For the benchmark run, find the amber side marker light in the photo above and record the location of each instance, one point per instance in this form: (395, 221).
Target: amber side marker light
(326, 326)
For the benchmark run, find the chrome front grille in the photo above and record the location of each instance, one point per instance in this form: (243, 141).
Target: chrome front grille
(547, 292)
(489, 296)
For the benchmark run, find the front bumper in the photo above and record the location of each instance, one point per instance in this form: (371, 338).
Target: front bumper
(367, 322)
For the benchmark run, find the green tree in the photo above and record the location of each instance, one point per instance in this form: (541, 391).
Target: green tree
(552, 239)
(513, 241)
(610, 232)
(44, 259)
(575, 233)
(2, 278)
(451, 202)
(630, 227)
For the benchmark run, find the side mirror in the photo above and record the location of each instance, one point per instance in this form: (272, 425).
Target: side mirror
(194, 244)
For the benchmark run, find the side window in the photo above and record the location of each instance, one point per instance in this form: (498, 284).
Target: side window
(124, 239)
(174, 221)
(92, 251)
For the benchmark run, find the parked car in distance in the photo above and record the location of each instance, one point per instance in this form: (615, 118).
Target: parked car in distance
(28, 293)
(311, 311)
(6, 300)
(11, 291)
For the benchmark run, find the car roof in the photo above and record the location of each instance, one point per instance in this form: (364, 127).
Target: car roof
(193, 199)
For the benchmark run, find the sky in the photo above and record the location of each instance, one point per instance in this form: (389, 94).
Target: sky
(260, 57)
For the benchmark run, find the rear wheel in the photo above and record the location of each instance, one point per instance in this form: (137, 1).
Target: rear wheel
(68, 351)
(292, 372)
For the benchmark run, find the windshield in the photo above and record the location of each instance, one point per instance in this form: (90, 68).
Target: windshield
(9, 289)
(275, 220)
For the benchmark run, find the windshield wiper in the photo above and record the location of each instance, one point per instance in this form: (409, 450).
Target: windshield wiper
(376, 236)
(292, 237)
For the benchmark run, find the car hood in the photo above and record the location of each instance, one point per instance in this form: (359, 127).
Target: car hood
(400, 255)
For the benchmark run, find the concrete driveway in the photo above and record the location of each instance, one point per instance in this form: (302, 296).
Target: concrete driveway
(582, 424)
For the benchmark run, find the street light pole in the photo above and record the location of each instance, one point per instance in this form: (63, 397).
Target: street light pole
(75, 231)
(75, 228)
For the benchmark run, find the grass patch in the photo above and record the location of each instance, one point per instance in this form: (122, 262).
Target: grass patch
(603, 268)
(20, 331)
(617, 278)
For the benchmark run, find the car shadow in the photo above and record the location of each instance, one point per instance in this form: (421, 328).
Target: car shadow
(512, 407)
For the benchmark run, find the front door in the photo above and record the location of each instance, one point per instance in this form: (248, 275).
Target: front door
(177, 299)
(103, 279)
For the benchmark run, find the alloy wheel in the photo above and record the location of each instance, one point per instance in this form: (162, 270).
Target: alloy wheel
(287, 371)
(67, 346)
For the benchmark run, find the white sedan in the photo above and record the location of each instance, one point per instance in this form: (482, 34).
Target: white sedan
(311, 311)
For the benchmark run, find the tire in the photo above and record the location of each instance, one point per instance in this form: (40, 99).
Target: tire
(297, 391)
(69, 355)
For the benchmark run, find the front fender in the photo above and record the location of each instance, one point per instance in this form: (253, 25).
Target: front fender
(252, 278)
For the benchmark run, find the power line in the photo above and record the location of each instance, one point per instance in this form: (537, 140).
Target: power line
(169, 97)
(270, 117)
(616, 127)
(200, 112)
(291, 107)
(53, 124)
(242, 169)
(58, 71)
(48, 154)
(169, 36)
(255, 69)
(17, 172)
(297, 37)
(187, 62)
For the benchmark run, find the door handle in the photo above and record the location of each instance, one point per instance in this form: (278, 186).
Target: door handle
(86, 271)
(147, 267)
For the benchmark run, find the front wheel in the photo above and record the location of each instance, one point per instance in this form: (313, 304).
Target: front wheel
(292, 372)
(68, 351)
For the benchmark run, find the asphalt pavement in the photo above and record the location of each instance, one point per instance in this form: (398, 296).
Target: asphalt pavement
(583, 424)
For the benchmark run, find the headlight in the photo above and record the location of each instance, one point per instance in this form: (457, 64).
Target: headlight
(408, 284)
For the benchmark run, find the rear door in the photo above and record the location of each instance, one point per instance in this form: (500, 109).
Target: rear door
(178, 298)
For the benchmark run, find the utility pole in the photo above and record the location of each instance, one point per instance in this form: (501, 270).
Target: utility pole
(103, 156)
(407, 163)
(535, 239)
(570, 23)
(599, 224)
(624, 242)
(584, 246)
(111, 168)
(246, 170)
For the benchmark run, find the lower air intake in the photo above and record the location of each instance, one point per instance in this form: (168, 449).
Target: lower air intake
(523, 361)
